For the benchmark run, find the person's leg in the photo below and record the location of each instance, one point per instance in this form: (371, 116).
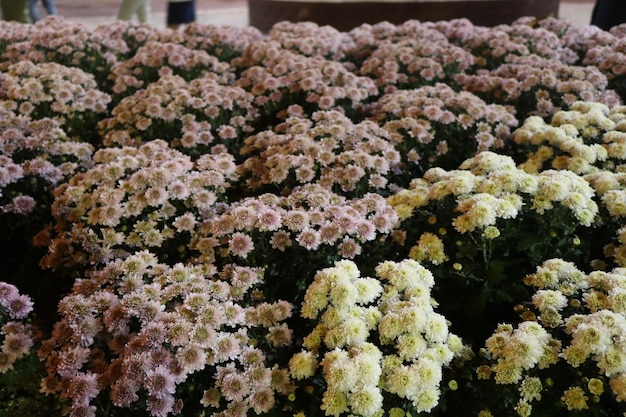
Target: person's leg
(15, 10)
(608, 13)
(128, 8)
(33, 11)
(143, 13)
(50, 7)
(180, 13)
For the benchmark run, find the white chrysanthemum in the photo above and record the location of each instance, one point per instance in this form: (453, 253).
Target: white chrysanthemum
(403, 382)
(367, 349)
(487, 161)
(615, 202)
(427, 372)
(334, 317)
(591, 336)
(526, 346)
(479, 211)
(391, 326)
(334, 403)
(349, 267)
(549, 299)
(340, 375)
(411, 346)
(368, 289)
(302, 365)
(436, 328)
(366, 401)
(617, 299)
(343, 293)
(315, 299)
(430, 248)
(368, 369)
(439, 353)
(612, 362)
(426, 400)
(509, 206)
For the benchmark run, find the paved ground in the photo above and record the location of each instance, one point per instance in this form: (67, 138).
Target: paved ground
(94, 12)
(235, 12)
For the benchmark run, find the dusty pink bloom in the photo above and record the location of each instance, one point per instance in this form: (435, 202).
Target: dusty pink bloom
(17, 344)
(160, 382)
(19, 306)
(84, 388)
(309, 238)
(349, 248)
(234, 386)
(240, 244)
(280, 240)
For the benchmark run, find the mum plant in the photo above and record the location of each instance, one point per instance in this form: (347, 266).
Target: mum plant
(306, 222)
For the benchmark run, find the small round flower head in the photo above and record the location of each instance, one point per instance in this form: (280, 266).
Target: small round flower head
(302, 365)
(366, 401)
(574, 398)
(530, 389)
(334, 403)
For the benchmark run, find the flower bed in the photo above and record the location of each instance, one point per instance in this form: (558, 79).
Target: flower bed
(400, 219)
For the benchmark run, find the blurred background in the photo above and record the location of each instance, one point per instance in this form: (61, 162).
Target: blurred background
(235, 12)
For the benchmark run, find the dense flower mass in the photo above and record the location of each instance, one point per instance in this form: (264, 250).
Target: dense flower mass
(417, 219)
(16, 333)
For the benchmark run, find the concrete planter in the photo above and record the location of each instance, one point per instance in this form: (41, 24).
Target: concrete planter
(346, 15)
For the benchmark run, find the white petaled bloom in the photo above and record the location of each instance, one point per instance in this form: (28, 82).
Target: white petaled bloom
(549, 299)
(302, 365)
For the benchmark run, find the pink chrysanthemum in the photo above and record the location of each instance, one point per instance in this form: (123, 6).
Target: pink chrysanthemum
(240, 244)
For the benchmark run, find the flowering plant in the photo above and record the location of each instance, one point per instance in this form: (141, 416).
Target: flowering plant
(437, 126)
(481, 225)
(55, 91)
(573, 322)
(139, 331)
(327, 149)
(377, 344)
(150, 197)
(35, 157)
(20, 368)
(157, 59)
(236, 223)
(17, 334)
(192, 116)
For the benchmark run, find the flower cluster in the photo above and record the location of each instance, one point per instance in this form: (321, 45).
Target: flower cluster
(309, 39)
(208, 206)
(157, 59)
(65, 43)
(611, 60)
(471, 225)
(16, 333)
(574, 321)
(539, 86)
(311, 218)
(493, 47)
(586, 138)
(134, 199)
(192, 116)
(223, 42)
(136, 329)
(412, 63)
(327, 149)
(358, 368)
(36, 155)
(437, 126)
(50, 90)
(286, 83)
